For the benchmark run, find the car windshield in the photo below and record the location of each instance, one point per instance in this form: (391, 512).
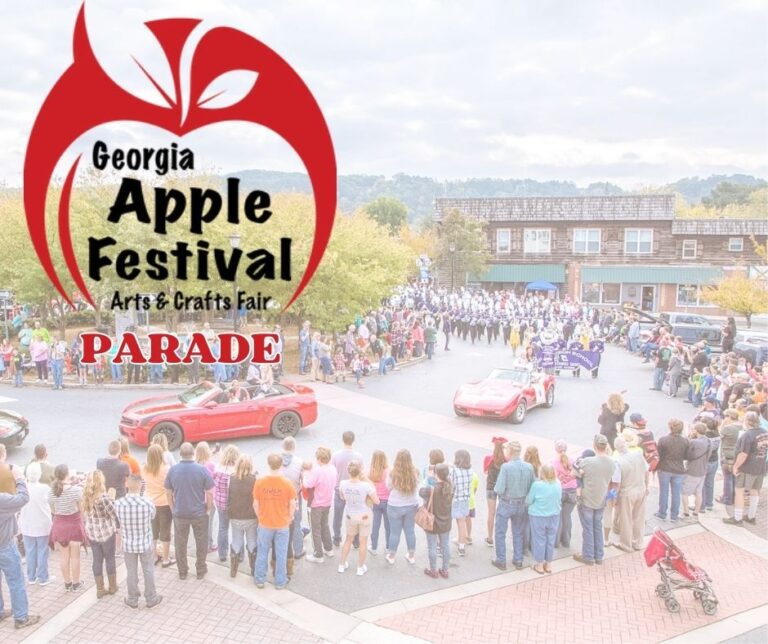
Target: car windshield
(194, 395)
(519, 376)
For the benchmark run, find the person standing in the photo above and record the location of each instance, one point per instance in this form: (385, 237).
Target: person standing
(492, 466)
(611, 417)
(461, 482)
(221, 477)
(749, 468)
(439, 500)
(115, 471)
(35, 524)
(305, 341)
(101, 530)
(154, 472)
(341, 461)
(135, 514)
(319, 481)
(712, 433)
(241, 515)
(10, 559)
(274, 503)
(566, 474)
(189, 488)
(512, 487)
(729, 436)
(633, 490)
(696, 457)
(403, 502)
(293, 467)
(544, 503)
(67, 531)
(596, 473)
(359, 497)
(671, 469)
(58, 354)
(377, 474)
(46, 469)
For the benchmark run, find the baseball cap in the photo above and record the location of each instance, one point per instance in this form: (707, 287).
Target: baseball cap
(600, 440)
(637, 419)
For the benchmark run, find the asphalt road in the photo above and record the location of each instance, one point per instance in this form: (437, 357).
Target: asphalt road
(77, 425)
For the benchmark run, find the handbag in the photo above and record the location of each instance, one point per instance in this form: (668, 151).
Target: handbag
(424, 517)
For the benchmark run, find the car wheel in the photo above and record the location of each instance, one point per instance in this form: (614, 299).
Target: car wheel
(518, 416)
(171, 431)
(460, 414)
(286, 423)
(550, 399)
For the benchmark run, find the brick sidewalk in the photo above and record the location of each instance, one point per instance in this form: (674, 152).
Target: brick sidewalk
(612, 603)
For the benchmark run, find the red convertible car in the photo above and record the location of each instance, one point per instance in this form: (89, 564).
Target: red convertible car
(506, 393)
(203, 412)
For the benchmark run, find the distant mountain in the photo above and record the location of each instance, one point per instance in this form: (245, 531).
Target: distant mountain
(419, 193)
(694, 189)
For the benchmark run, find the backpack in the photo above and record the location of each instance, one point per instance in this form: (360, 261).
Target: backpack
(647, 443)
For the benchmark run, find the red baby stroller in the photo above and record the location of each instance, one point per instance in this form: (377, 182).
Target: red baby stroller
(677, 573)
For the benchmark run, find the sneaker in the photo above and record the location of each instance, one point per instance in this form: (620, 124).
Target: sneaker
(68, 586)
(443, 573)
(469, 541)
(599, 562)
(31, 582)
(129, 604)
(336, 543)
(411, 559)
(281, 586)
(462, 551)
(329, 553)
(373, 551)
(582, 560)
(259, 585)
(732, 521)
(518, 565)
(390, 558)
(158, 599)
(47, 581)
(343, 567)
(30, 620)
(361, 570)
(750, 521)
(663, 517)
(312, 559)
(489, 542)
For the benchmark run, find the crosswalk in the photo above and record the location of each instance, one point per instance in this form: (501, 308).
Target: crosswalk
(5, 399)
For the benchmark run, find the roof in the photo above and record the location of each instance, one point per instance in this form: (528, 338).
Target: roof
(650, 274)
(743, 227)
(523, 273)
(607, 208)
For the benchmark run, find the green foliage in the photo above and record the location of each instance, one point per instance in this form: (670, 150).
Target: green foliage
(388, 212)
(467, 237)
(749, 203)
(726, 194)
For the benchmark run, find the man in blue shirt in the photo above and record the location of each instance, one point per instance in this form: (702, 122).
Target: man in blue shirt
(512, 486)
(10, 559)
(189, 488)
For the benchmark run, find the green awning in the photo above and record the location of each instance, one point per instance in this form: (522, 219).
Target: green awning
(554, 273)
(650, 274)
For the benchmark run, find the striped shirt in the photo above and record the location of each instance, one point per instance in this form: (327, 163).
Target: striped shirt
(135, 514)
(67, 502)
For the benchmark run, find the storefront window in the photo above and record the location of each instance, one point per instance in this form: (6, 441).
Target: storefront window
(691, 295)
(611, 293)
(590, 293)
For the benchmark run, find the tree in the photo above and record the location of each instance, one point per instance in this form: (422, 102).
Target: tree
(462, 246)
(388, 212)
(740, 294)
(726, 194)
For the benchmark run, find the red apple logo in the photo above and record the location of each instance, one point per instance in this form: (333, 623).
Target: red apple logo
(85, 97)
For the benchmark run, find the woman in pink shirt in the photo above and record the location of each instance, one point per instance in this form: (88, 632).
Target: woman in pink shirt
(39, 352)
(565, 473)
(320, 481)
(377, 474)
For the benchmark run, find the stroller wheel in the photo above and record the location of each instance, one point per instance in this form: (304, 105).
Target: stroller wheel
(662, 591)
(709, 606)
(673, 606)
(697, 594)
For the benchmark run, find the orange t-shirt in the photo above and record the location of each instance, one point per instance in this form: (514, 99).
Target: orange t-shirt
(133, 464)
(274, 494)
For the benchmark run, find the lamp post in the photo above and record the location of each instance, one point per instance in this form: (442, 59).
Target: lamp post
(452, 249)
(234, 242)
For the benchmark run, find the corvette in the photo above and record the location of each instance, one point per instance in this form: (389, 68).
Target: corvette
(203, 412)
(505, 394)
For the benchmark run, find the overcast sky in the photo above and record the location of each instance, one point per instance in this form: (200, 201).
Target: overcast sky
(630, 92)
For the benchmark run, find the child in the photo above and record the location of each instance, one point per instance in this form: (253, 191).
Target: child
(472, 505)
(577, 466)
(98, 369)
(340, 365)
(357, 370)
(18, 369)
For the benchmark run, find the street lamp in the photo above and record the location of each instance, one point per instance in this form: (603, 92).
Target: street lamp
(234, 242)
(452, 249)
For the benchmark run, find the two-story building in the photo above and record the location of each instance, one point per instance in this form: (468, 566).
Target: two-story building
(610, 250)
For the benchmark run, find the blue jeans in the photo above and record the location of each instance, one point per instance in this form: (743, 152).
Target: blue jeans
(117, 372)
(223, 540)
(266, 539)
(658, 377)
(709, 485)
(430, 350)
(57, 367)
(515, 512)
(648, 348)
(379, 515)
(37, 558)
(298, 535)
(244, 533)
(592, 547)
(104, 556)
(445, 549)
(402, 519)
(386, 363)
(632, 344)
(338, 515)
(10, 568)
(667, 482)
(303, 357)
(565, 525)
(544, 532)
(18, 378)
